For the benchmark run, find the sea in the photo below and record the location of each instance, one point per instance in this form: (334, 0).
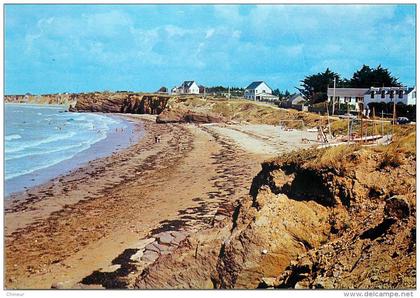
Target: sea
(39, 137)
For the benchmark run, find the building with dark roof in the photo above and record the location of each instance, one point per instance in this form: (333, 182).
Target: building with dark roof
(187, 87)
(259, 90)
(358, 96)
(391, 94)
(295, 99)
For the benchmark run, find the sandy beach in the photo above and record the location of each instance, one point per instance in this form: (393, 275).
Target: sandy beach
(69, 231)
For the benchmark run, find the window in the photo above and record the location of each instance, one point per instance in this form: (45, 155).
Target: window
(372, 94)
(391, 94)
(400, 94)
(383, 94)
(415, 94)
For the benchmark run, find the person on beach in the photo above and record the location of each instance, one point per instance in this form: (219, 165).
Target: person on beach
(178, 145)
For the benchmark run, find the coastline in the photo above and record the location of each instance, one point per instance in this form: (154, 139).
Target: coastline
(66, 229)
(175, 214)
(90, 185)
(71, 230)
(113, 142)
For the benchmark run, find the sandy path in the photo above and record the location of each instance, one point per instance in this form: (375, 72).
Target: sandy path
(265, 139)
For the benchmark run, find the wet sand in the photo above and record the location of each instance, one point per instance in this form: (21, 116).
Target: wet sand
(78, 230)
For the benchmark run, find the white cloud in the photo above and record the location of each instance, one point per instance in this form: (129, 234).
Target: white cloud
(258, 41)
(106, 23)
(236, 34)
(291, 51)
(229, 13)
(176, 32)
(209, 33)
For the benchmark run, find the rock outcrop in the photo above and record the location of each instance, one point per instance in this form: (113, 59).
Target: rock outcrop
(106, 102)
(190, 266)
(62, 99)
(121, 102)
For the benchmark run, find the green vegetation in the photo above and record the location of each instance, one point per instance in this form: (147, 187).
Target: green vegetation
(367, 77)
(221, 90)
(282, 95)
(315, 86)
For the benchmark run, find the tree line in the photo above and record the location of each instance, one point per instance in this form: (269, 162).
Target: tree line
(217, 90)
(314, 87)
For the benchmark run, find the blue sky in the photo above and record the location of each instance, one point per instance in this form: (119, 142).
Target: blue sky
(78, 48)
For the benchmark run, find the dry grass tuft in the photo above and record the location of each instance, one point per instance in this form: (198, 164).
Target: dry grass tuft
(335, 156)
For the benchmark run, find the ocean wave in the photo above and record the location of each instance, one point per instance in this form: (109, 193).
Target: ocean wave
(52, 163)
(44, 166)
(12, 137)
(78, 133)
(80, 118)
(51, 139)
(88, 121)
(44, 152)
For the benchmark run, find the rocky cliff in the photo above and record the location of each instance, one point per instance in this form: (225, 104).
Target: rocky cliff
(106, 102)
(62, 99)
(121, 102)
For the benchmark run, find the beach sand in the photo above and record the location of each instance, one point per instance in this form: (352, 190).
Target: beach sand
(78, 224)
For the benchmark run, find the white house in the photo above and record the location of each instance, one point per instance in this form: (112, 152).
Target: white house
(390, 94)
(259, 90)
(412, 96)
(354, 96)
(187, 87)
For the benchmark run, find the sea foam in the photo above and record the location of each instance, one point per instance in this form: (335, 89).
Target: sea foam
(47, 136)
(12, 137)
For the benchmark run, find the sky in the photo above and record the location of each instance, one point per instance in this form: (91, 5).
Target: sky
(82, 48)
